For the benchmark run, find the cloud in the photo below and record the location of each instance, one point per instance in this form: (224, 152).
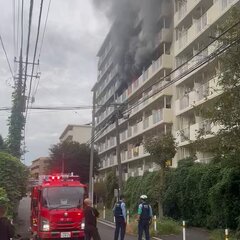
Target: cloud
(68, 65)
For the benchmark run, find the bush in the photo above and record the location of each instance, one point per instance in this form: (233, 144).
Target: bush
(13, 179)
(168, 226)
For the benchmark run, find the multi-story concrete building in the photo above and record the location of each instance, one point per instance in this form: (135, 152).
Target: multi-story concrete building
(181, 34)
(39, 167)
(195, 25)
(76, 133)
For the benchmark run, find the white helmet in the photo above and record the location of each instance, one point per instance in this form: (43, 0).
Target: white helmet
(143, 197)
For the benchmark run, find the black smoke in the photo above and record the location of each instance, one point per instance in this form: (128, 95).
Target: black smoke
(134, 45)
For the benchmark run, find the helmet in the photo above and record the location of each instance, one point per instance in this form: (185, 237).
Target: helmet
(143, 197)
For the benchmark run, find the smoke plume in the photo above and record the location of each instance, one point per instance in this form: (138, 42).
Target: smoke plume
(134, 46)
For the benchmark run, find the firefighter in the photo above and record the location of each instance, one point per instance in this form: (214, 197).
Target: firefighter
(91, 215)
(144, 217)
(6, 227)
(120, 218)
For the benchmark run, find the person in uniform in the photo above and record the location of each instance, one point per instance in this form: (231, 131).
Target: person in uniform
(91, 214)
(144, 218)
(120, 218)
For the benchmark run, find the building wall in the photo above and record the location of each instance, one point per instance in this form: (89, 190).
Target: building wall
(77, 133)
(39, 167)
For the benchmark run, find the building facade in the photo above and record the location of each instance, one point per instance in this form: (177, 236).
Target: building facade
(39, 167)
(160, 97)
(76, 133)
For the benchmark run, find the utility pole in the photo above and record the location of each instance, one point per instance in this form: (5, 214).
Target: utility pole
(92, 149)
(117, 116)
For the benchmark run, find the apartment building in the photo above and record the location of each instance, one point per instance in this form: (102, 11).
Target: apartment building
(39, 167)
(195, 25)
(149, 116)
(76, 133)
(158, 100)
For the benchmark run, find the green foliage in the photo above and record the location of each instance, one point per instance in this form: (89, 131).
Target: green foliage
(13, 178)
(204, 195)
(162, 148)
(136, 186)
(112, 183)
(16, 124)
(166, 226)
(76, 159)
(3, 145)
(4, 201)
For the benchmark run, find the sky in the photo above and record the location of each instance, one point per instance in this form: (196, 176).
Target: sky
(68, 64)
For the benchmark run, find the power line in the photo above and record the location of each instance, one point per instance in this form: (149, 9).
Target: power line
(44, 30)
(28, 45)
(34, 57)
(41, 46)
(6, 56)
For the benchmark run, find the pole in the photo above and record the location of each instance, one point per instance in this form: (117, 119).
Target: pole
(90, 194)
(63, 167)
(226, 234)
(184, 230)
(155, 223)
(118, 151)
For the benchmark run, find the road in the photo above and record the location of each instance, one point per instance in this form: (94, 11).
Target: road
(106, 232)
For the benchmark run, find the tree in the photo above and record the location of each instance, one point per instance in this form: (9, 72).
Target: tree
(74, 157)
(13, 178)
(162, 149)
(3, 145)
(111, 182)
(225, 109)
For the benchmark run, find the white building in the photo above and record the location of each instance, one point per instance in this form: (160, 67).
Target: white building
(76, 133)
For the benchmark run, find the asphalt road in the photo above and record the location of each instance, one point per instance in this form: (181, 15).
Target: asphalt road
(107, 232)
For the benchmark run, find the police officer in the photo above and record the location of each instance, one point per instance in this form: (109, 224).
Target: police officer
(120, 218)
(144, 218)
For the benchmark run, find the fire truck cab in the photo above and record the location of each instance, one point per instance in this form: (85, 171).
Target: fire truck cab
(57, 208)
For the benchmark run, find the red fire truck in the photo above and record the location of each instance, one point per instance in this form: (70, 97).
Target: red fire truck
(57, 208)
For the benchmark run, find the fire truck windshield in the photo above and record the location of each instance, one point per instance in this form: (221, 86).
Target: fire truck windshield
(62, 197)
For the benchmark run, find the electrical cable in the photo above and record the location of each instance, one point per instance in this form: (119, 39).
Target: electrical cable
(34, 58)
(5, 52)
(41, 46)
(28, 44)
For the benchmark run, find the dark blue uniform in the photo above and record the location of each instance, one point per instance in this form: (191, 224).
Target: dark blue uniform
(145, 212)
(120, 219)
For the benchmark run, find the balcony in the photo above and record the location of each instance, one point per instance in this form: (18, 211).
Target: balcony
(184, 11)
(164, 62)
(183, 136)
(165, 35)
(200, 94)
(205, 127)
(218, 9)
(137, 152)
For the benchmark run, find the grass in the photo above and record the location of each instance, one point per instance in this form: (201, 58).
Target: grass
(219, 234)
